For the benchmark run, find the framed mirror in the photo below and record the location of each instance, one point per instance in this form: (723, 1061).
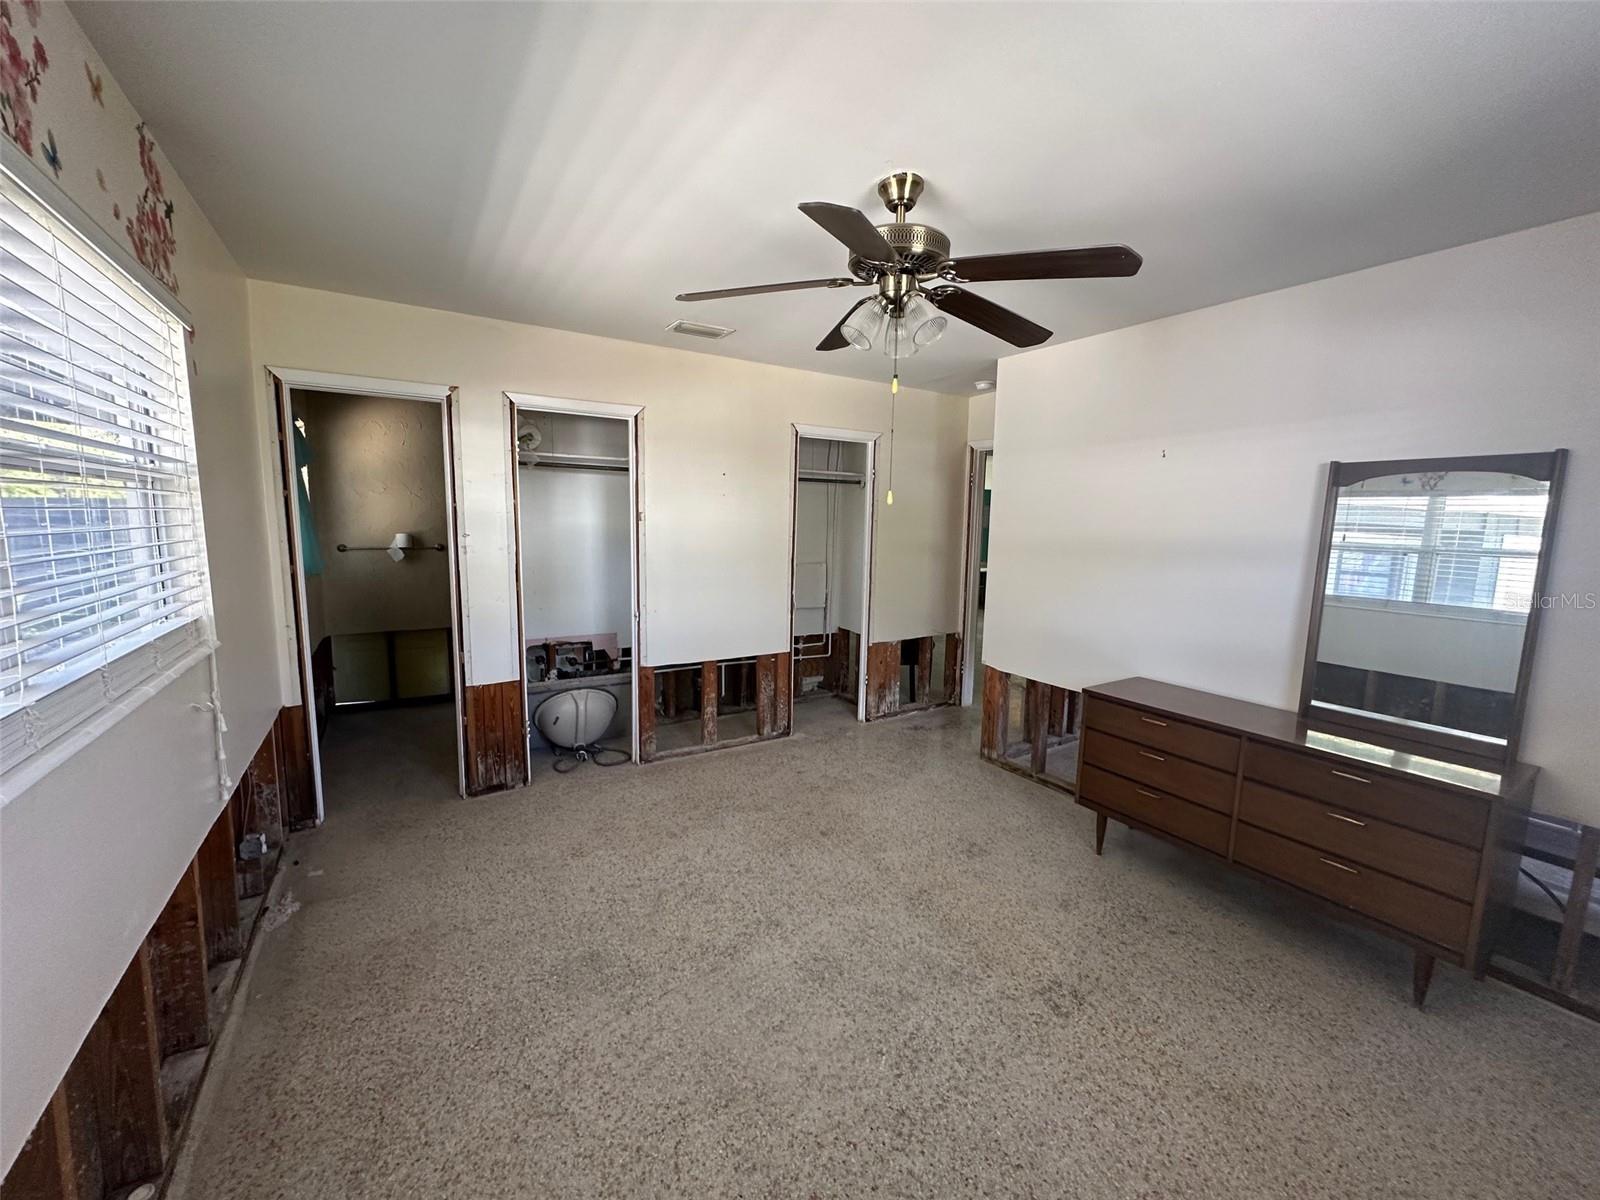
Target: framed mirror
(1428, 592)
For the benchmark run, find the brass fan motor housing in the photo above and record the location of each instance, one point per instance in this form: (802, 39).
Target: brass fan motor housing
(922, 248)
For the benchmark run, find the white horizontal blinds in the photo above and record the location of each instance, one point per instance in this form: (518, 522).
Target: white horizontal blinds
(1468, 551)
(102, 562)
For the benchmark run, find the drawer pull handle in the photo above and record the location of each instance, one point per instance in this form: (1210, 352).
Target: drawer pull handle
(1340, 866)
(1348, 820)
(1157, 757)
(1350, 777)
(1152, 795)
(1153, 721)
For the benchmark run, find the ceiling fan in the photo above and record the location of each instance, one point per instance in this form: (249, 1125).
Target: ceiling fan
(911, 267)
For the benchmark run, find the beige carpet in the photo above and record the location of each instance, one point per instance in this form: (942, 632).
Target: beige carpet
(856, 962)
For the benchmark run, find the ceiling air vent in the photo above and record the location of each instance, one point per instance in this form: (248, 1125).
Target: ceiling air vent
(695, 329)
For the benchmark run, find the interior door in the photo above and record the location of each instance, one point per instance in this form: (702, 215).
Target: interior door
(297, 582)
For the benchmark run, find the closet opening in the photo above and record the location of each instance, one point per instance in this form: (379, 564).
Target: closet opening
(831, 569)
(574, 507)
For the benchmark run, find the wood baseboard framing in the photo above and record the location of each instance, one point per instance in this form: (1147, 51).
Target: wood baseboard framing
(1049, 713)
(118, 1112)
(714, 689)
(291, 793)
(495, 727)
(884, 660)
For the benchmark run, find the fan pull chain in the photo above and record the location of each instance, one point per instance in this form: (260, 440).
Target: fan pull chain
(894, 390)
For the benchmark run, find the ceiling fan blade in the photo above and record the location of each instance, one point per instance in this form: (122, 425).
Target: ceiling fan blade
(851, 226)
(761, 288)
(836, 339)
(1087, 262)
(988, 316)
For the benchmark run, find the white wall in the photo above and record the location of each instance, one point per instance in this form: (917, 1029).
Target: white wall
(575, 546)
(1158, 505)
(715, 440)
(1472, 651)
(85, 866)
(980, 417)
(377, 469)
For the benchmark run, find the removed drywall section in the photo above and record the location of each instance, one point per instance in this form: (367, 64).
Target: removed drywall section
(1161, 486)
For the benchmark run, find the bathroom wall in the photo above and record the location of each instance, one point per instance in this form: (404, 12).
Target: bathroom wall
(377, 469)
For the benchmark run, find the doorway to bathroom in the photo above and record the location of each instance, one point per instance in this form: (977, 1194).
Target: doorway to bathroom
(831, 570)
(368, 479)
(575, 505)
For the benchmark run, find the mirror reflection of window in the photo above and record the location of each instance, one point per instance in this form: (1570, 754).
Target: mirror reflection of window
(1474, 549)
(1429, 584)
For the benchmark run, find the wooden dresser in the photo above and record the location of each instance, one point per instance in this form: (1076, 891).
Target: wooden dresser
(1423, 850)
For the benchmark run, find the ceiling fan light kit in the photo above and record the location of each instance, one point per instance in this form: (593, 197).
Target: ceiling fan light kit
(901, 257)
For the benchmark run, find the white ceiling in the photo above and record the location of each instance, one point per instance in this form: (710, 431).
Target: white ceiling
(577, 165)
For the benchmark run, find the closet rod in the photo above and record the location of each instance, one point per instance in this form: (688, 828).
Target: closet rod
(576, 462)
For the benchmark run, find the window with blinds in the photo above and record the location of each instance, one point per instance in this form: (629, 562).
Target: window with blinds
(103, 584)
(1476, 552)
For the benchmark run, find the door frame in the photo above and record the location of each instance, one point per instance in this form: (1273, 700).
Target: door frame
(978, 455)
(870, 440)
(529, 402)
(284, 381)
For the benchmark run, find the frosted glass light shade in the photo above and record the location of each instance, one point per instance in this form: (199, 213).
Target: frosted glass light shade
(897, 339)
(864, 326)
(926, 323)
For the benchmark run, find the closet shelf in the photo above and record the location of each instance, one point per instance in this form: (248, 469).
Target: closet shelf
(574, 462)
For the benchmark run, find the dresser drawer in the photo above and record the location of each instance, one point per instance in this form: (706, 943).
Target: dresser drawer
(1220, 750)
(1363, 840)
(1191, 822)
(1350, 785)
(1395, 902)
(1163, 772)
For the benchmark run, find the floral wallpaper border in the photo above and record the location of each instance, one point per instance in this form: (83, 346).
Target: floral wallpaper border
(148, 226)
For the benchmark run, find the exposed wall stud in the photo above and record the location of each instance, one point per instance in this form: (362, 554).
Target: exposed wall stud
(177, 943)
(1038, 701)
(645, 713)
(123, 1070)
(496, 736)
(883, 679)
(44, 1168)
(952, 668)
(708, 703)
(996, 714)
(219, 890)
(766, 694)
(783, 695)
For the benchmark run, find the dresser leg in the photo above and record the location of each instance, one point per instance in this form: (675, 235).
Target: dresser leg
(1099, 832)
(1421, 976)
